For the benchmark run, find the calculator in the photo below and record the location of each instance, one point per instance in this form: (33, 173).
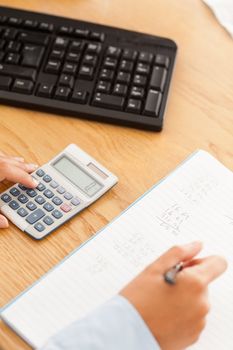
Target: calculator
(68, 183)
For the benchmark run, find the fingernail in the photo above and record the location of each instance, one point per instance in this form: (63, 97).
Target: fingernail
(32, 166)
(35, 182)
(193, 244)
(20, 159)
(3, 222)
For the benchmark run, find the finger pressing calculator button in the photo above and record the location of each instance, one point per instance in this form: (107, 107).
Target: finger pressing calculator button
(61, 190)
(57, 214)
(31, 206)
(54, 184)
(57, 201)
(22, 212)
(48, 193)
(31, 193)
(48, 220)
(41, 187)
(65, 207)
(5, 198)
(40, 172)
(68, 196)
(14, 191)
(23, 188)
(39, 199)
(48, 207)
(35, 216)
(22, 198)
(47, 178)
(14, 205)
(39, 227)
(75, 201)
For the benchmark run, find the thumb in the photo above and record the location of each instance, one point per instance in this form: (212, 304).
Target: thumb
(3, 222)
(178, 254)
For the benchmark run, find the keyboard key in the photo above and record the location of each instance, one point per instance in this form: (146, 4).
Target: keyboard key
(93, 48)
(139, 80)
(79, 96)
(30, 24)
(23, 188)
(137, 92)
(120, 89)
(47, 178)
(73, 57)
(65, 207)
(41, 187)
(66, 80)
(134, 106)
(142, 68)
(40, 200)
(48, 206)
(113, 51)
(69, 68)
(53, 67)
(61, 190)
(32, 38)
(14, 205)
(13, 46)
(48, 193)
(54, 184)
(22, 198)
(123, 77)
(97, 36)
(5, 198)
(86, 72)
(32, 55)
(61, 43)
(68, 196)
(22, 212)
(81, 33)
(45, 90)
(14, 21)
(40, 172)
(35, 216)
(57, 200)
(39, 227)
(76, 46)
(110, 63)
(106, 74)
(48, 220)
(130, 55)
(23, 86)
(57, 214)
(14, 191)
(145, 57)
(57, 54)
(31, 193)
(46, 27)
(12, 58)
(108, 101)
(126, 66)
(158, 78)
(65, 30)
(5, 83)
(162, 60)
(17, 71)
(62, 93)
(75, 201)
(10, 34)
(89, 60)
(103, 86)
(153, 102)
(31, 206)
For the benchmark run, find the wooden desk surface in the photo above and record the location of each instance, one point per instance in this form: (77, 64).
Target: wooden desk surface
(199, 115)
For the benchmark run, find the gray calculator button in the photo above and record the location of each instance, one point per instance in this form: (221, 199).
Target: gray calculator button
(35, 216)
(14, 205)
(31, 193)
(39, 199)
(5, 198)
(48, 193)
(22, 212)
(68, 195)
(54, 184)
(48, 207)
(22, 187)
(41, 187)
(61, 190)
(39, 227)
(22, 198)
(75, 201)
(31, 206)
(48, 220)
(57, 201)
(47, 178)
(40, 172)
(14, 191)
(57, 214)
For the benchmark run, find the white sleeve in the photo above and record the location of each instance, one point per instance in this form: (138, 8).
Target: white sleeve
(115, 325)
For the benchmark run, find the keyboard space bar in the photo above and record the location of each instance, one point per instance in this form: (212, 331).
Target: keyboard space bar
(17, 72)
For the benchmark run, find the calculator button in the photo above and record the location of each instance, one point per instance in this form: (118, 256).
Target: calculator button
(31, 206)
(5, 198)
(47, 178)
(22, 212)
(22, 198)
(40, 172)
(14, 205)
(48, 207)
(75, 201)
(35, 216)
(31, 193)
(57, 201)
(14, 191)
(54, 184)
(68, 196)
(41, 187)
(40, 200)
(48, 193)
(57, 214)
(48, 220)
(23, 188)
(61, 190)
(39, 227)
(65, 207)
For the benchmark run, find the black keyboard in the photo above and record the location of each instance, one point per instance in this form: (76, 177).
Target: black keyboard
(84, 70)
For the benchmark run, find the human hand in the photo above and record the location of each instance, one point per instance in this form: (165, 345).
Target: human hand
(176, 313)
(16, 170)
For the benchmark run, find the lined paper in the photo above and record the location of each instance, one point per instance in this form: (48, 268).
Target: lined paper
(195, 202)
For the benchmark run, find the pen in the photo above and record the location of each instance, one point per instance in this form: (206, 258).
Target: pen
(170, 275)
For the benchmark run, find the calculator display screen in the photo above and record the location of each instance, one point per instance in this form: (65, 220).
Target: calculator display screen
(77, 176)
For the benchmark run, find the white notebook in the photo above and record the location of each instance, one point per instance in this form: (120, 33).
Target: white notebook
(195, 202)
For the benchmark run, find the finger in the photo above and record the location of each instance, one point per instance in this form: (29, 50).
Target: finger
(15, 174)
(3, 222)
(28, 167)
(178, 254)
(210, 268)
(19, 159)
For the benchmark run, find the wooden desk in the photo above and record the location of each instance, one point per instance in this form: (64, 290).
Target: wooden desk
(199, 115)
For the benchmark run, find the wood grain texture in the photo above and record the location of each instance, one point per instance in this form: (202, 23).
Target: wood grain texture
(199, 115)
